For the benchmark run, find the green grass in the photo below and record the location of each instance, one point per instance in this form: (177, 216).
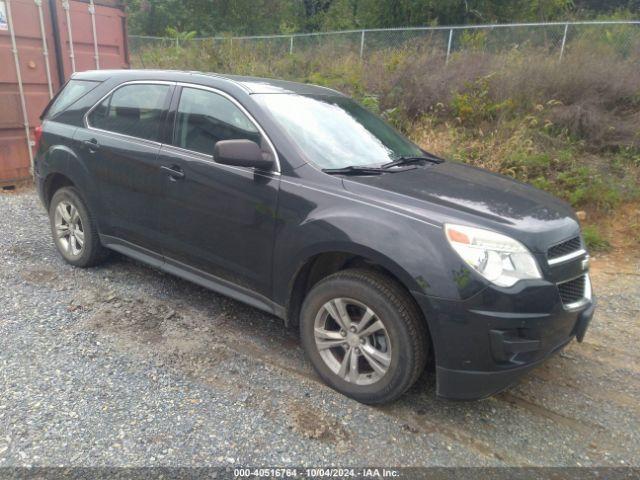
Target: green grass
(594, 239)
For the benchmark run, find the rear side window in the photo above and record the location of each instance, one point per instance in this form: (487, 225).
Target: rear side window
(205, 118)
(73, 90)
(133, 110)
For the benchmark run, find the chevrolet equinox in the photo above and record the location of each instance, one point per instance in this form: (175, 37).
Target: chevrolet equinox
(296, 200)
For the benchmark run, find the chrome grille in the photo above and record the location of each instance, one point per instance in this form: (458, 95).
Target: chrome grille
(572, 291)
(565, 248)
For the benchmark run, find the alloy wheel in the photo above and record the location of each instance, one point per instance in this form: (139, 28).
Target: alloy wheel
(69, 228)
(352, 341)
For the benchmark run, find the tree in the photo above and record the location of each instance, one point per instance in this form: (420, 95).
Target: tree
(248, 17)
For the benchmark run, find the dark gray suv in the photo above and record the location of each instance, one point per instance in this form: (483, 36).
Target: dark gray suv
(298, 201)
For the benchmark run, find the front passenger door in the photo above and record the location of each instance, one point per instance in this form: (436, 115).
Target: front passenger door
(217, 219)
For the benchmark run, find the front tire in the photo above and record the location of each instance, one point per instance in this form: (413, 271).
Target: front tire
(73, 228)
(364, 335)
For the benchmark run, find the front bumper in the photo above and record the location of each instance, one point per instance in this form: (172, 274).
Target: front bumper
(484, 344)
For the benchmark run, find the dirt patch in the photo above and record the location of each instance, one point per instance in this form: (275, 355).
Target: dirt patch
(167, 327)
(537, 409)
(622, 228)
(38, 276)
(304, 420)
(26, 250)
(143, 326)
(423, 422)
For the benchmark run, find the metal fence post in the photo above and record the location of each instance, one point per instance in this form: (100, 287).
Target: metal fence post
(92, 12)
(564, 41)
(443, 29)
(449, 45)
(45, 50)
(23, 104)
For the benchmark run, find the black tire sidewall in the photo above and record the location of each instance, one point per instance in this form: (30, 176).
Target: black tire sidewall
(71, 195)
(394, 382)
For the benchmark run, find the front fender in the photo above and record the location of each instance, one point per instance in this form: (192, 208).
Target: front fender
(313, 221)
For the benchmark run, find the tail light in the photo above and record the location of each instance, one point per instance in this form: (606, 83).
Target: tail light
(37, 133)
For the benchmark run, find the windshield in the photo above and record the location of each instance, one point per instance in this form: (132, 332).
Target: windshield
(336, 132)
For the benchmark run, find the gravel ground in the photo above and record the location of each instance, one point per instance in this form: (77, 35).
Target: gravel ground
(123, 365)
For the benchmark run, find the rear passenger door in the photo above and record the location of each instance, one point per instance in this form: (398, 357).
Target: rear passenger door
(120, 145)
(217, 219)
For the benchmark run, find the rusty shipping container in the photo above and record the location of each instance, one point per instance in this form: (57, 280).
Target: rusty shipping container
(42, 42)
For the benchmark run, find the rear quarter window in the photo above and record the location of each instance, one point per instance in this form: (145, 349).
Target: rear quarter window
(72, 91)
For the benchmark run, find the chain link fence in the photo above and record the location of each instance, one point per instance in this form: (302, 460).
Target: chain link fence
(557, 38)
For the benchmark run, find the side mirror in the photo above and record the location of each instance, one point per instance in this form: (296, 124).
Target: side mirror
(241, 153)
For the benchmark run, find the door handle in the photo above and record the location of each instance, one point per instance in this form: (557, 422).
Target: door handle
(174, 172)
(92, 144)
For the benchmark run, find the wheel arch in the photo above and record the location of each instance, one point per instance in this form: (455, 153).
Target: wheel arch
(61, 167)
(320, 262)
(323, 263)
(54, 182)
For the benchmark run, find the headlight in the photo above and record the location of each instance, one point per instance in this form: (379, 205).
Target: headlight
(498, 258)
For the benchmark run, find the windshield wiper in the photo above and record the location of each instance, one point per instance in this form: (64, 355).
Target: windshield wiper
(385, 168)
(409, 160)
(354, 170)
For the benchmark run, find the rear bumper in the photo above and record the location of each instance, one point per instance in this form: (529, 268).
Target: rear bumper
(481, 349)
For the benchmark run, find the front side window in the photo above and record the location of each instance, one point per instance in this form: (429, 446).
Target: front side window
(133, 110)
(336, 132)
(205, 118)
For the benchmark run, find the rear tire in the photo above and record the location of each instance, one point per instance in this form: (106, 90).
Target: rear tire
(74, 230)
(364, 335)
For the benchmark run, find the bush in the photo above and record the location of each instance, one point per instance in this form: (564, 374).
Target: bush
(594, 239)
(593, 95)
(571, 127)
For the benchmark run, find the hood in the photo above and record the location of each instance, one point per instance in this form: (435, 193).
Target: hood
(454, 192)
